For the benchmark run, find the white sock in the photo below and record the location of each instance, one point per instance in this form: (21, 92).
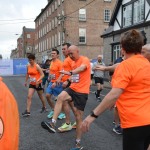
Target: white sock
(54, 121)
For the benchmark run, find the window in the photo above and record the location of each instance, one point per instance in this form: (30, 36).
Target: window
(107, 15)
(62, 0)
(116, 52)
(52, 8)
(82, 15)
(55, 40)
(50, 27)
(50, 11)
(127, 15)
(58, 2)
(55, 21)
(28, 36)
(55, 4)
(82, 36)
(133, 13)
(58, 38)
(138, 11)
(58, 18)
(52, 24)
(107, 0)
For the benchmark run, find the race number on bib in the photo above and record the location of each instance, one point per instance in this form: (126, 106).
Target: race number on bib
(53, 76)
(75, 78)
(32, 79)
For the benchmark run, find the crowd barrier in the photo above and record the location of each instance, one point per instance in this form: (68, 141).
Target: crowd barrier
(13, 66)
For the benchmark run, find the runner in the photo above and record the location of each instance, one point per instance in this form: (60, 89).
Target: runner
(131, 89)
(35, 74)
(9, 120)
(45, 68)
(76, 94)
(66, 83)
(54, 88)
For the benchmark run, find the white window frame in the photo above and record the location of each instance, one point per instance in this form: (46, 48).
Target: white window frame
(82, 34)
(28, 36)
(58, 2)
(107, 15)
(116, 51)
(82, 14)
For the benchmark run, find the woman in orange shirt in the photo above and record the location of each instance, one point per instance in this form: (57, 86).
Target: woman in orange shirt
(131, 92)
(35, 74)
(9, 119)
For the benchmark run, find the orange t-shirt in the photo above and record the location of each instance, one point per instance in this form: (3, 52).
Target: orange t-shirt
(33, 73)
(81, 82)
(9, 119)
(67, 67)
(133, 75)
(55, 68)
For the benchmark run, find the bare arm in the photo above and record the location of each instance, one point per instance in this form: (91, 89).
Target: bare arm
(75, 71)
(107, 102)
(41, 73)
(107, 68)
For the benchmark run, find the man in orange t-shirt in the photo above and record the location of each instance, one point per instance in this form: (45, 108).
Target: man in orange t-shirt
(77, 93)
(54, 88)
(9, 120)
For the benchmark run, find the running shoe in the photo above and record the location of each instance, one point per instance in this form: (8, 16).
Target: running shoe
(61, 116)
(117, 129)
(50, 115)
(43, 110)
(99, 99)
(26, 114)
(74, 126)
(78, 147)
(65, 127)
(49, 126)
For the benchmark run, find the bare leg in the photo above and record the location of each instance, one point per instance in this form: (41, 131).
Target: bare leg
(29, 98)
(62, 97)
(48, 97)
(40, 94)
(116, 116)
(66, 109)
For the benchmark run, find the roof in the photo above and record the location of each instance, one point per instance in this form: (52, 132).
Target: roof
(42, 10)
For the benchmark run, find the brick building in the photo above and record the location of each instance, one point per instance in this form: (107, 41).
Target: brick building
(79, 22)
(20, 47)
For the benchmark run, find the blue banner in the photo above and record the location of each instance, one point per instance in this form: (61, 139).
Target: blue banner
(20, 66)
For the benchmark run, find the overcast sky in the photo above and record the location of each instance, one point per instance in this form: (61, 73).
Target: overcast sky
(14, 14)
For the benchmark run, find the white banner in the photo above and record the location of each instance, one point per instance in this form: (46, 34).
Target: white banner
(6, 67)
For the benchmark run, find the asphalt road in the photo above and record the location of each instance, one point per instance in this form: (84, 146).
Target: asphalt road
(34, 137)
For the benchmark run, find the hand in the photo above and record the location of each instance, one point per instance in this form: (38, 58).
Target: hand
(37, 84)
(53, 85)
(65, 84)
(85, 126)
(25, 84)
(65, 72)
(102, 68)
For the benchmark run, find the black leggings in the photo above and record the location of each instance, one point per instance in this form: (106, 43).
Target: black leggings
(136, 138)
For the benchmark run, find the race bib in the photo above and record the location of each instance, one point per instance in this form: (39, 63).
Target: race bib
(32, 79)
(75, 78)
(47, 71)
(53, 76)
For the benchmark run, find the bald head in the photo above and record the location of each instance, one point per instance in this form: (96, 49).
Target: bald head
(99, 58)
(73, 52)
(146, 51)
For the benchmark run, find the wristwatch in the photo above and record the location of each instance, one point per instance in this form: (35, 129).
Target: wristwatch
(93, 115)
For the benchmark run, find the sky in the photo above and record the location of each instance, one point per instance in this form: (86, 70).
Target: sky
(14, 14)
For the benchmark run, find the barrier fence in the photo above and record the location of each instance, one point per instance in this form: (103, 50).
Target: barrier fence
(13, 66)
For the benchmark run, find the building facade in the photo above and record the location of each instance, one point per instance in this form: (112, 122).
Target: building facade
(79, 22)
(28, 41)
(128, 14)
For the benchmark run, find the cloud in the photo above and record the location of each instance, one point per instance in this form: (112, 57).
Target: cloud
(16, 11)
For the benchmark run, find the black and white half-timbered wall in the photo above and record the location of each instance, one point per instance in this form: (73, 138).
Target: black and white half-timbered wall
(128, 14)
